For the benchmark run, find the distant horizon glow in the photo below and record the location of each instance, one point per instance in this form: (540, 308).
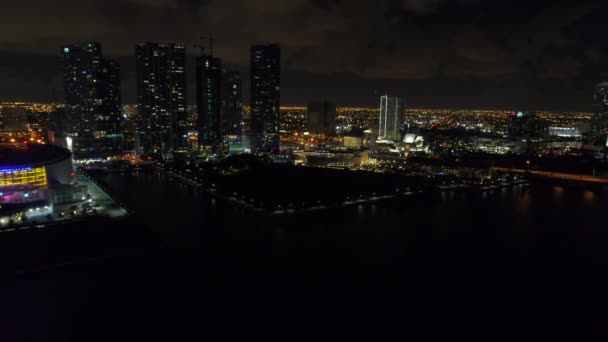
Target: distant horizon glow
(344, 107)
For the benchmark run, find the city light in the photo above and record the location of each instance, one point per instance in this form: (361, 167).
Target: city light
(324, 159)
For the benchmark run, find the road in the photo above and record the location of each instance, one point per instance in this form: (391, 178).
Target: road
(556, 175)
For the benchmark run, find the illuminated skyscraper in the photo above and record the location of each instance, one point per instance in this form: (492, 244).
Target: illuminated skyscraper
(208, 99)
(600, 109)
(392, 115)
(265, 97)
(92, 100)
(232, 103)
(81, 62)
(112, 121)
(161, 99)
(177, 95)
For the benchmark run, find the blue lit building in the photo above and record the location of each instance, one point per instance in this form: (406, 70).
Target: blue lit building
(32, 176)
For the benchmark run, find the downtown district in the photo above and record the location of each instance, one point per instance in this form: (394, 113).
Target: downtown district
(221, 136)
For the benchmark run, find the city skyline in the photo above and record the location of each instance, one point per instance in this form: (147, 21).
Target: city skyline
(47, 106)
(170, 169)
(542, 56)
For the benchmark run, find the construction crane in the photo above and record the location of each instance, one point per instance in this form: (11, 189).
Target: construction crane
(202, 46)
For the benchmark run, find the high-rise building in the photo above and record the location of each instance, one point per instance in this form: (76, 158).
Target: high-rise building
(129, 113)
(13, 119)
(321, 118)
(265, 97)
(81, 62)
(392, 115)
(209, 101)
(177, 95)
(161, 99)
(526, 125)
(600, 109)
(110, 127)
(232, 103)
(92, 100)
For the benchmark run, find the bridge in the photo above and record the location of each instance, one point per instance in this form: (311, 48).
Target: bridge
(555, 175)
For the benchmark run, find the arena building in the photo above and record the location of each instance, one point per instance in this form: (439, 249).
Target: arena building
(32, 177)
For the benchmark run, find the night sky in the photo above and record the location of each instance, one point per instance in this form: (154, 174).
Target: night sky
(438, 53)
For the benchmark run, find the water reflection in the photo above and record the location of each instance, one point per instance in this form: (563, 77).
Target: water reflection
(558, 192)
(360, 210)
(524, 199)
(589, 196)
(149, 194)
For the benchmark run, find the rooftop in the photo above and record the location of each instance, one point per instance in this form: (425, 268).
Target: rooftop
(30, 155)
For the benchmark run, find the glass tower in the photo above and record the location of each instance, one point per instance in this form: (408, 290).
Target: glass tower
(600, 109)
(111, 123)
(161, 99)
(265, 97)
(177, 95)
(92, 100)
(208, 98)
(232, 103)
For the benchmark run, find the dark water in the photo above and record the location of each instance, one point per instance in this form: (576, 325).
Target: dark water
(515, 263)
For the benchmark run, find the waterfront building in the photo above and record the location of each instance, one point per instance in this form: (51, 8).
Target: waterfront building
(161, 99)
(265, 61)
(209, 102)
(92, 100)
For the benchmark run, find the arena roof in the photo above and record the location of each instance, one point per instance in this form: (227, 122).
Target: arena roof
(30, 155)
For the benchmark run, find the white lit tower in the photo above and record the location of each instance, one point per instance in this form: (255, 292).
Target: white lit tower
(392, 116)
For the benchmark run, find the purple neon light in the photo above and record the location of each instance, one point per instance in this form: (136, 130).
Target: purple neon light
(16, 169)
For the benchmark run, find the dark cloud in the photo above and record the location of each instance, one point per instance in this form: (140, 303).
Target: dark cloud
(488, 53)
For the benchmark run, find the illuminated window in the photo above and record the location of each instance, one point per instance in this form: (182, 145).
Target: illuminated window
(33, 176)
